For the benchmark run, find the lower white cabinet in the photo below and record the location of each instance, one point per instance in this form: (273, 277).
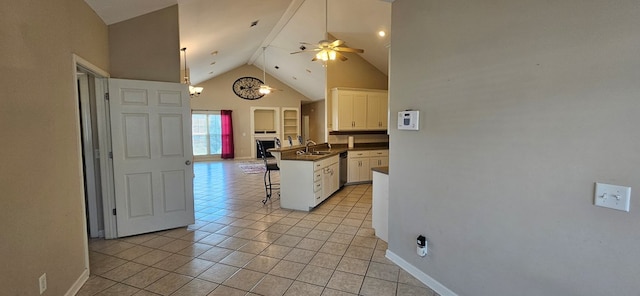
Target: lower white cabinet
(361, 162)
(305, 184)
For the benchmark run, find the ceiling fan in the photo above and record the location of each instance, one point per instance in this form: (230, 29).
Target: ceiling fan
(325, 49)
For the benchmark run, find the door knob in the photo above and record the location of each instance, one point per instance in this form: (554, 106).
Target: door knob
(188, 162)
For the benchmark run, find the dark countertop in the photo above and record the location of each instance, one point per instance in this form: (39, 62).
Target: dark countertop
(289, 153)
(383, 170)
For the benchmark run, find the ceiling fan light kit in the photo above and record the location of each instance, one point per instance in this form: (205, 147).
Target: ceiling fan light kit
(327, 50)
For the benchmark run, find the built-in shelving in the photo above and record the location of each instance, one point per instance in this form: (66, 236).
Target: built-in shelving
(290, 123)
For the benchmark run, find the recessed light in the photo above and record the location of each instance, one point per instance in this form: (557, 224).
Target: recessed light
(213, 63)
(308, 71)
(211, 72)
(215, 52)
(381, 33)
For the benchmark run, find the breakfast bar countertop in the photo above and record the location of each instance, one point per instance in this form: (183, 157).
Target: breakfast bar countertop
(289, 153)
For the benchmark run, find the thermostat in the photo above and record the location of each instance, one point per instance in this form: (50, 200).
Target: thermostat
(409, 120)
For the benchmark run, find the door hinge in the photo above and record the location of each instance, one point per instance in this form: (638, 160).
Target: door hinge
(106, 96)
(114, 212)
(111, 154)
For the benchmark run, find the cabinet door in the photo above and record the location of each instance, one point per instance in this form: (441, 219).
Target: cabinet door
(350, 110)
(345, 111)
(353, 174)
(377, 105)
(335, 177)
(359, 115)
(374, 162)
(365, 170)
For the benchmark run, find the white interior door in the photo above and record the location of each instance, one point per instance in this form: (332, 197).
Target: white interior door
(152, 155)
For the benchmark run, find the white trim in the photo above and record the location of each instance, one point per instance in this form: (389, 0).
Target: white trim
(106, 163)
(418, 274)
(75, 62)
(78, 284)
(78, 131)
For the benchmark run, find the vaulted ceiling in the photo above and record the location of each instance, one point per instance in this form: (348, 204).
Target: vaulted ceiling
(219, 35)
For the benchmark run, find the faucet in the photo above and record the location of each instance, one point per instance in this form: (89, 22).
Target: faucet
(306, 147)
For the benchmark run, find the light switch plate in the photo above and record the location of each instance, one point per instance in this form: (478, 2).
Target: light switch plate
(612, 196)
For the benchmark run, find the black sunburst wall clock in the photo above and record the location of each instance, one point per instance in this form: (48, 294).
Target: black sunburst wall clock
(247, 88)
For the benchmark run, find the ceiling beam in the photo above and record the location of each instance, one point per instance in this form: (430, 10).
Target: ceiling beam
(286, 16)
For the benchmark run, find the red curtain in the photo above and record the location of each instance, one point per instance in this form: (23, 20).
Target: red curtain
(227, 134)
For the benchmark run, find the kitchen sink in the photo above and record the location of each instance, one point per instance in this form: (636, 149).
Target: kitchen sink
(320, 152)
(300, 152)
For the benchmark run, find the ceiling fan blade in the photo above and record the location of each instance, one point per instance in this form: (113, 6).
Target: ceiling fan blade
(337, 42)
(348, 49)
(307, 50)
(341, 56)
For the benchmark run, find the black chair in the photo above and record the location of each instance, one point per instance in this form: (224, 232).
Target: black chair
(270, 165)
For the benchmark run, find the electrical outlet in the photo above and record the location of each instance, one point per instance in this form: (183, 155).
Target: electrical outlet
(43, 283)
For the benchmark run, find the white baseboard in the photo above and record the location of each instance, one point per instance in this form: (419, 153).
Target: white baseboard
(78, 284)
(418, 274)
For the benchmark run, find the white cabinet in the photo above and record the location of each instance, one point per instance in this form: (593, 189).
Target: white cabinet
(350, 110)
(361, 162)
(330, 180)
(359, 109)
(378, 158)
(377, 111)
(305, 184)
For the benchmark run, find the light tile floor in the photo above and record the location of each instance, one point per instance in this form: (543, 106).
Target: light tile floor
(238, 246)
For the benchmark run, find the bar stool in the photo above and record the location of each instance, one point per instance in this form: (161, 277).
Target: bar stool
(270, 166)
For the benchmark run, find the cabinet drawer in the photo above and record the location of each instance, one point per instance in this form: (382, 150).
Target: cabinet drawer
(352, 154)
(317, 186)
(317, 197)
(317, 175)
(379, 153)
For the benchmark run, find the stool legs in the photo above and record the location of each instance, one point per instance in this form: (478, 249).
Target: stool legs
(268, 186)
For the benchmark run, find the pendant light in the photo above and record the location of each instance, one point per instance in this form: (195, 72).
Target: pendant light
(194, 91)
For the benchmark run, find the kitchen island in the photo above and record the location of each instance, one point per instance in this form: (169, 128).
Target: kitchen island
(310, 175)
(307, 179)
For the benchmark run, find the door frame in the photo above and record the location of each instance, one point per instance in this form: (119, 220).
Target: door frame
(104, 142)
(101, 75)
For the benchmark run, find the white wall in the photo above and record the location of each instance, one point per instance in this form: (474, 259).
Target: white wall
(524, 105)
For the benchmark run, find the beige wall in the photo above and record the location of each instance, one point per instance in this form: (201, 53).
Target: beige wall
(146, 47)
(316, 113)
(356, 72)
(524, 105)
(41, 225)
(218, 95)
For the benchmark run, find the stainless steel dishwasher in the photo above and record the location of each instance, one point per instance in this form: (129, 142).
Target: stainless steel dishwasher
(343, 168)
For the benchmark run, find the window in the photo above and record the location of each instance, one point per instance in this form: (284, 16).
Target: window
(206, 134)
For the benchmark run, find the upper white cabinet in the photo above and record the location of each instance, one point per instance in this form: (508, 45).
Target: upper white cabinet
(377, 110)
(359, 109)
